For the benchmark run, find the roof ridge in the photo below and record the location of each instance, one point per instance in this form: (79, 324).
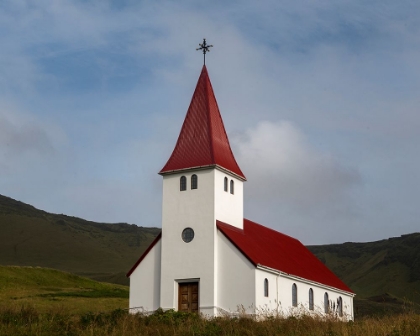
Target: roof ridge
(209, 116)
(268, 228)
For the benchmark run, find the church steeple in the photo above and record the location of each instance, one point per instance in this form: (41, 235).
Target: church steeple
(203, 141)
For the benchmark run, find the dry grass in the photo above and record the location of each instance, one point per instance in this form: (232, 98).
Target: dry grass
(26, 320)
(36, 301)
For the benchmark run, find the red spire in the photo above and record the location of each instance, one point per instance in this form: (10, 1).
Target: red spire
(202, 141)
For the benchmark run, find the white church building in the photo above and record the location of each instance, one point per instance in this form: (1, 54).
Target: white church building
(208, 258)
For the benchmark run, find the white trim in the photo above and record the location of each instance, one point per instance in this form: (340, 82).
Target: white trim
(227, 171)
(295, 277)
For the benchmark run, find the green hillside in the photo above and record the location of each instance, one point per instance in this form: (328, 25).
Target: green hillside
(383, 274)
(46, 289)
(373, 269)
(32, 237)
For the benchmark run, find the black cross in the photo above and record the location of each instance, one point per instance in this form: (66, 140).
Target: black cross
(205, 48)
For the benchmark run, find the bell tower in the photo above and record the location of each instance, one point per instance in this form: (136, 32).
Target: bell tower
(202, 183)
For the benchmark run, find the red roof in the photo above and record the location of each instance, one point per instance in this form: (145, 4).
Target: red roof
(202, 141)
(266, 247)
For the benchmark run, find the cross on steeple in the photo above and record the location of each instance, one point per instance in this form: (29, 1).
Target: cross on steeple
(205, 48)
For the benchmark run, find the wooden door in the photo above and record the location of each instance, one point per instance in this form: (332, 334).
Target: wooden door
(188, 297)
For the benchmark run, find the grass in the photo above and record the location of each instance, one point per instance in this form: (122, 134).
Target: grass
(48, 289)
(37, 301)
(26, 320)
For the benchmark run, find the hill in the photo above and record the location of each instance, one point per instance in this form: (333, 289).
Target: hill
(49, 289)
(384, 274)
(377, 270)
(32, 237)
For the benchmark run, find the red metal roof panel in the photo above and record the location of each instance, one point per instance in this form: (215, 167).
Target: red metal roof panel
(203, 140)
(267, 247)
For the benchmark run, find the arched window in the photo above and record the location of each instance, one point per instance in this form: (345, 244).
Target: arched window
(340, 306)
(311, 299)
(294, 295)
(326, 304)
(266, 287)
(231, 187)
(194, 182)
(226, 184)
(183, 183)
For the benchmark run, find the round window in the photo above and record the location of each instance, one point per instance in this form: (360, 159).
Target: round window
(187, 235)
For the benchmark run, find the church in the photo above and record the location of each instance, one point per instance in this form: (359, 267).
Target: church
(208, 258)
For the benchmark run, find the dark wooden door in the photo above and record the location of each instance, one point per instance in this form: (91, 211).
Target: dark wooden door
(188, 297)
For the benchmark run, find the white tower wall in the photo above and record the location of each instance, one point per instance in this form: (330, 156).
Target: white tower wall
(197, 209)
(229, 208)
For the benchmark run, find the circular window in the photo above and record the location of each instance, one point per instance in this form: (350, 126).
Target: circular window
(187, 235)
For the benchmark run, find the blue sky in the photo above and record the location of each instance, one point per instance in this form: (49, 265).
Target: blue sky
(320, 100)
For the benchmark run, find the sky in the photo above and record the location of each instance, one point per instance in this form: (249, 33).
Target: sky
(320, 100)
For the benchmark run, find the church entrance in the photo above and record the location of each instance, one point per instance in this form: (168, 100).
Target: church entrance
(188, 297)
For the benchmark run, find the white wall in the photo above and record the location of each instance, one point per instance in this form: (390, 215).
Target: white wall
(266, 305)
(235, 278)
(145, 282)
(198, 209)
(280, 296)
(195, 260)
(229, 208)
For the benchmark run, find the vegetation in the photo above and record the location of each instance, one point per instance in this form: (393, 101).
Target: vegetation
(32, 237)
(26, 320)
(46, 290)
(37, 301)
(373, 269)
(385, 275)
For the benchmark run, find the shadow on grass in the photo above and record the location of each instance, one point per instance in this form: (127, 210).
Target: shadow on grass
(93, 293)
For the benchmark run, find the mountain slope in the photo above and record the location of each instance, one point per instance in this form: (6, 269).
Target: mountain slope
(375, 268)
(32, 237)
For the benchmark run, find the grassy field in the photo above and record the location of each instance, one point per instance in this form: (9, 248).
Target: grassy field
(46, 290)
(28, 321)
(39, 301)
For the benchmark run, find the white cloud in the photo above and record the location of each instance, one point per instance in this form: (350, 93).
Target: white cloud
(283, 167)
(118, 76)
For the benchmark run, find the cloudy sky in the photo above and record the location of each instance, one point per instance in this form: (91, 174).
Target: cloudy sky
(320, 100)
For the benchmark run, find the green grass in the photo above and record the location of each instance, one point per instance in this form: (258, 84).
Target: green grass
(43, 289)
(37, 301)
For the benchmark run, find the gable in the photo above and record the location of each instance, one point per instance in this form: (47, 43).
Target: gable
(267, 247)
(145, 253)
